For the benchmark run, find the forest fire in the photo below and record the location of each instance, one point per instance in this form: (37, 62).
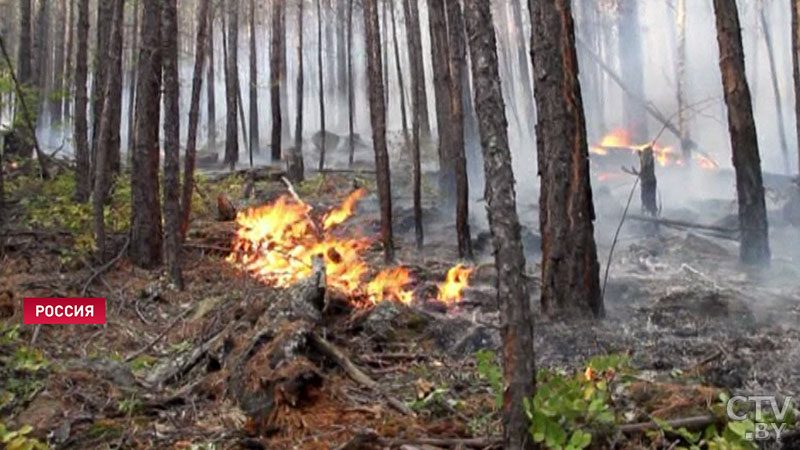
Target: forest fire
(276, 243)
(620, 139)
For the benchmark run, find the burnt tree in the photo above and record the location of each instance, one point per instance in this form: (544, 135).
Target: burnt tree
(275, 78)
(419, 111)
(441, 83)
(145, 247)
(232, 85)
(753, 228)
(649, 183)
(83, 185)
(377, 114)
(570, 271)
(512, 288)
(350, 88)
(321, 164)
(201, 46)
(253, 93)
(294, 164)
(172, 147)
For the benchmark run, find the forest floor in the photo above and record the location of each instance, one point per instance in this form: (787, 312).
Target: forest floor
(685, 326)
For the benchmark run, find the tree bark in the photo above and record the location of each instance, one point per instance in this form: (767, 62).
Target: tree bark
(132, 78)
(201, 45)
(19, 141)
(406, 137)
(754, 244)
(172, 148)
(630, 56)
(418, 114)
(275, 79)
(41, 66)
(253, 84)
(457, 69)
(145, 247)
(69, 72)
(321, 73)
(776, 91)
(377, 113)
(680, 76)
(113, 106)
(83, 177)
(517, 32)
(105, 13)
(414, 37)
(295, 167)
(232, 85)
(796, 70)
(570, 271)
(24, 54)
(512, 287)
(649, 183)
(56, 101)
(341, 50)
(210, 85)
(350, 87)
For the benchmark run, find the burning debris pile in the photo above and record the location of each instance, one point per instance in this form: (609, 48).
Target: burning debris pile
(277, 243)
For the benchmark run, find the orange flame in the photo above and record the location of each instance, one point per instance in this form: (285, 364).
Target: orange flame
(389, 284)
(343, 211)
(457, 279)
(664, 156)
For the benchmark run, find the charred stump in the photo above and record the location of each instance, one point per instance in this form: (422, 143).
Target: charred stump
(649, 184)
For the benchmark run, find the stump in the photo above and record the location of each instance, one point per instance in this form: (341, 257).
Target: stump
(647, 174)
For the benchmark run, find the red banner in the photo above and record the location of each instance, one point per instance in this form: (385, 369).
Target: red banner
(59, 311)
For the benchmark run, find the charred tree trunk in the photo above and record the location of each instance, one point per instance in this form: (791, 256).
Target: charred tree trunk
(172, 147)
(321, 72)
(414, 37)
(106, 126)
(210, 85)
(201, 45)
(570, 272)
(776, 91)
(275, 79)
(796, 70)
(295, 167)
(253, 84)
(649, 183)
(630, 55)
(417, 118)
(132, 78)
(350, 87)
(403, 117)
(512, 292)
(232, 85)
(377, 113)
(441, 83)
(754, 245)
(83, 177)
(457, 62)
(145, 247)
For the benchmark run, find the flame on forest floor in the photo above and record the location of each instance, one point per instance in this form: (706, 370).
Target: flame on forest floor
(276, 243)
(664, 156)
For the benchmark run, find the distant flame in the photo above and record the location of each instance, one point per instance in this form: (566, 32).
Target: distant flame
(389, 284)
(457, 279)
(664, 156)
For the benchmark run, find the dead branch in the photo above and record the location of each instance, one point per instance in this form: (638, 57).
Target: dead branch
(682, 224)
(107, 266)
(158, 338)
(690, 423)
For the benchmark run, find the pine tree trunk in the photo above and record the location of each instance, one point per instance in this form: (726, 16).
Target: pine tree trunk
(24, 54)
(253, 101)
(286, 134)
(441, 83)
(132, 78)
(69, 71)
(232, 84)
(341, 50)
(417, 118)
(210, 86)
(201, 45)
(406, 137)
(106, 126)
(56, 100)
(146, 238)
(295, 167)
(41, 66)
(630, 55)
(105, 13)
(321, 73)
(172, 148)
(457, 69)
(523, 62)
(350, 88)
(19, 141)
(113, 105)
(330, 47)
(80, 132)
(377, 113)
(512, 292)
(414, 37)
(275, 80)
(680, 76)
(754, 234)
(570, 271)
(796, 70)
(776, 91)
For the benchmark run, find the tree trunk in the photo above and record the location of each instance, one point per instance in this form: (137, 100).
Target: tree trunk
(570, 272)
(649, 183)
(275, 79)
(145, 247)
(418, 113)
(19, 141)
(232, 85)
(350, 88)
(83, 176)
(105, 14)
(630, 56)
(512, 287)
(406, 138)
(457, 68)
(523, 61)
(253, 84)
(113, 105)
(441, 83)
(201, 45)
(132, 78)
(295, 167)
(341, 60)
(321, 73)
(377, 113)
(754, 245)
(330, 47)
(796, 70)
(172, 148)
(41, 66)
(57, 99)
(776, 90)
(68, 64)
(24, 54)
(113, 61)
(414, 37)
(680, 76)
(210, 85)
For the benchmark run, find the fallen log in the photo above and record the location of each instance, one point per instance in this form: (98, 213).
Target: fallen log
(683, 224)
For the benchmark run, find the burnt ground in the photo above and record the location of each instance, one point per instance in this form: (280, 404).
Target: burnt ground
(693, 322)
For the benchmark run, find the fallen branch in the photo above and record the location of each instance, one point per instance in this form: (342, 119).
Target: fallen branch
(690, 423)
(682, 224)
(97, 272)
(158, 338)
